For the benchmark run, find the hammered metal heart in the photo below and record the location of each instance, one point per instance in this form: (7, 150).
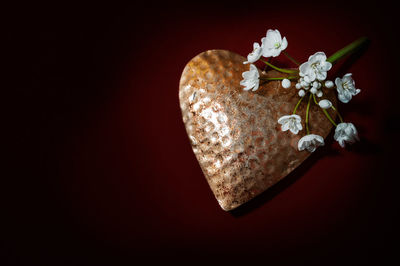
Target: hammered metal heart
(234, 133)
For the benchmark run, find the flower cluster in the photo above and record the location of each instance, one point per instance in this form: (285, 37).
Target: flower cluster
(271, 46)
(312, 74)
(311, 77)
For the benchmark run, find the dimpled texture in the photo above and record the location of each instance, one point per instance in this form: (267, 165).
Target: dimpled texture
(234, 133)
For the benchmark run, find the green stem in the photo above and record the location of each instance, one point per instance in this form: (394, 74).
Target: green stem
(281, 78)
(352, 47)
(297, 105)
(315, 100)
(279, 69)
(329, 117)
(291, 58)
(337, 112)
(266, 66)
(307, 111)
(325, 112)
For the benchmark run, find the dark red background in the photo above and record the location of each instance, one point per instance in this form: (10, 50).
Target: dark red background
(99, 169)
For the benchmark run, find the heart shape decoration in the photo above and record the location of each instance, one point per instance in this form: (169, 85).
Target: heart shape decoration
(234, 133)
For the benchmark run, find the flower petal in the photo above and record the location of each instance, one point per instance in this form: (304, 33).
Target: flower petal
(343, 98)
(304, 68)
(283, 119)
(256, 86)
(285, 127)
(319, 56)
(284, 44)
(294, 130)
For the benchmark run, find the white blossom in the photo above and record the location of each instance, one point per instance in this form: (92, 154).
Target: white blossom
(286, 83)
(273, 44)
(251, 78)
(329, 84)
(346, 132)
(319, 93)
(302, 93)
(255, 55)
(315, 68)
(291, 122)
(310, 142)
(325, 104)
(346, 88)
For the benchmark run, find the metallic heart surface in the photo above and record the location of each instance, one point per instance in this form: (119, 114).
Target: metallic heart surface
(234, 133)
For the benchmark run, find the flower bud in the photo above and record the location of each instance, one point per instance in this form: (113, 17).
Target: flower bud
(319, 94)
(298, 86)
(313, 90)
(286, 83)
(329, 84)
(302, 93)
(325, 104)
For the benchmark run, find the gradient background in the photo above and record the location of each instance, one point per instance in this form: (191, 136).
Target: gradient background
(99, 169)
